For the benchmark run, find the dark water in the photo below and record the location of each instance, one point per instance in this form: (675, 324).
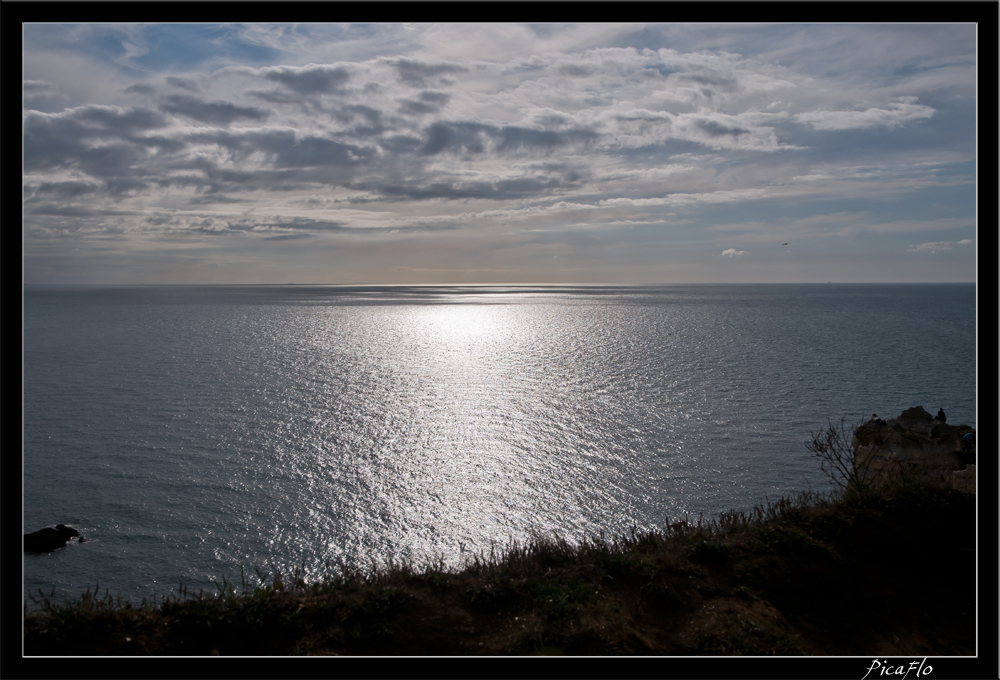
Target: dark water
(189, 431)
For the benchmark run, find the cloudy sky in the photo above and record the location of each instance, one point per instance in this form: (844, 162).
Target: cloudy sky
(498, 153)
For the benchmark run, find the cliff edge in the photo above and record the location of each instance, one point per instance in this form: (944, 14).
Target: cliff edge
(919, 445)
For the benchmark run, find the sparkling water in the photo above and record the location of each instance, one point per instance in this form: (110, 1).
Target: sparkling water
(191, 431)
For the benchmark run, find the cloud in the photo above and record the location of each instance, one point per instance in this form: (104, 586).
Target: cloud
(288, 237)
(687, 198)
(183, 83)
(31, 87)
(222, 113)
(935, 246)
(278, 148)
(312, 79)
(70, 189)
(477, 138)
(598, 132)
(893, 115)
(575, 70)
(715, 129)
(637, 128)
(101, 141)
(374, 122)
(418, 73)
(501, 189)
(428, 102)
(139, 88)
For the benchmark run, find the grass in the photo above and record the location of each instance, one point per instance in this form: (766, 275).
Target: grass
(814, 574)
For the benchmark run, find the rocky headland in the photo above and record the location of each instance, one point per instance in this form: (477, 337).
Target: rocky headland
(916, 444)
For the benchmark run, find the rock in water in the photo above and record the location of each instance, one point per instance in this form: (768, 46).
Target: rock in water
(48, 539)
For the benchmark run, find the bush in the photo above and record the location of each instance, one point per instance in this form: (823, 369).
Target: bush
(838, 459)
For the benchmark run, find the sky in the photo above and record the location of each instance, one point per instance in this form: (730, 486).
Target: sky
(498, 153)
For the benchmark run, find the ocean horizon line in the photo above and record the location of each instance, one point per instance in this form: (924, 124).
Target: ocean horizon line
(498, 285)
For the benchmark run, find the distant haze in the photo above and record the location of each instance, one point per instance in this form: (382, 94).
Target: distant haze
(498, 153)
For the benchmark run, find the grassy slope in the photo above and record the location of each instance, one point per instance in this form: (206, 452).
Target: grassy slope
(889, 574)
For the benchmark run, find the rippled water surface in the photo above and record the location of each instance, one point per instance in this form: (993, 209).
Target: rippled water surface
(189, 431)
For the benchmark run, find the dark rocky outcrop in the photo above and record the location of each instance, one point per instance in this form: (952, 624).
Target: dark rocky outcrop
(916, 444)
(49, 538)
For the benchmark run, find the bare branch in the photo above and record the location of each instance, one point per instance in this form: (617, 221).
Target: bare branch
(838, 459)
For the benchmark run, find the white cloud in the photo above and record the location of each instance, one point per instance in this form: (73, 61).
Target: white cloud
(687, 198)
(732, 252)
(893, 115)
(934, 246)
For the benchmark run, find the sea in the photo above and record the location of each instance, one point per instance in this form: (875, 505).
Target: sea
(199, 433)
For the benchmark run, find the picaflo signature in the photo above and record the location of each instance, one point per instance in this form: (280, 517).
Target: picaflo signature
(885, 669)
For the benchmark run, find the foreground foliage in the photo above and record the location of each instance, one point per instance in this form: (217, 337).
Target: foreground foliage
(866, 572)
